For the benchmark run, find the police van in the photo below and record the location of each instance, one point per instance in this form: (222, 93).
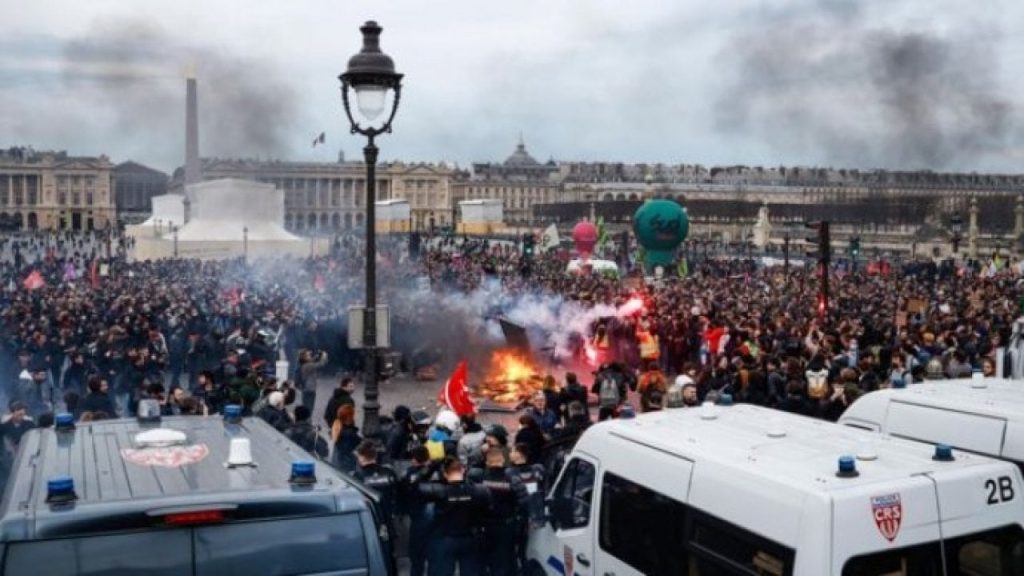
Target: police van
(753, 491)
(185, 495)
(983, 415)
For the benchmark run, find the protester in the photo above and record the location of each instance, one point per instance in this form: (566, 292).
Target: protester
(344, 439)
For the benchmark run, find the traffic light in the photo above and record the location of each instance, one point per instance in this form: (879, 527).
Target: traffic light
(821, 243)
(822, 253)
(528, 245)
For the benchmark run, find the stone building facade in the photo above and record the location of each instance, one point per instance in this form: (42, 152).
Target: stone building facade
(52, 190)
(519, 182)
(326, 197)
(134, 187)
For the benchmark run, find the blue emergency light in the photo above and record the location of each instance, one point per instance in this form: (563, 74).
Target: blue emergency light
(232, 412)
(64, 422)
(60, 490)
(302, 473)
(943, 453)
(847, 467)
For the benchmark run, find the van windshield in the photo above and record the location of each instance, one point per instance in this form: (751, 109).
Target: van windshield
(998, 552)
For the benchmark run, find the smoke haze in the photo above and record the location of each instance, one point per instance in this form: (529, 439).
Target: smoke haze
(134, 71)
(870, 96)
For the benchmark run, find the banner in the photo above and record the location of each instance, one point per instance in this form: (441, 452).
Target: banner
(455, 395)
(550, 240)
(34, 281)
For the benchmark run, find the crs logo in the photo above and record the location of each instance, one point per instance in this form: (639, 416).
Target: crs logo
(888, 513)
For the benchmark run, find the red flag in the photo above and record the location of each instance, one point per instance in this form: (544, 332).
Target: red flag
(454, 393)
(233, 296)
(319, 283)
(34, 281)
(94, 274)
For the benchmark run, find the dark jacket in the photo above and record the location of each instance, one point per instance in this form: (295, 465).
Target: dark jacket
(337, 400)
(97, 402)
(305, 435)
(343, 457)
(277, 418)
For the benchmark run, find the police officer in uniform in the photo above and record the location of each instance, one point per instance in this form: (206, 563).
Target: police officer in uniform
(460, 510)
(502, 525)
(421, 512)
(529, 486)
(381, 479)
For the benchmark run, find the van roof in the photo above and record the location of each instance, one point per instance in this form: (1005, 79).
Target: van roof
(112, 473)
(990, 396)
(744, 437)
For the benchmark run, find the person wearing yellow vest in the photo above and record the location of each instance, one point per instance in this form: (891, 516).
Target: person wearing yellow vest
(648, 341)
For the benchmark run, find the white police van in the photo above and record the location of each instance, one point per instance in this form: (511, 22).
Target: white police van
(983, 415)
(185, 495)
(753, 491)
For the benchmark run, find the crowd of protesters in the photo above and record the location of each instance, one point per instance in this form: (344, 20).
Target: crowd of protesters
(88, 331)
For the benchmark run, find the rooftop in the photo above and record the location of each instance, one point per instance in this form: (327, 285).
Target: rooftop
(804, 457)
(109, 468)
(991, 396)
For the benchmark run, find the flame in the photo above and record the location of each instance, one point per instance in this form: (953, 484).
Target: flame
(510, 378)
(591, 354)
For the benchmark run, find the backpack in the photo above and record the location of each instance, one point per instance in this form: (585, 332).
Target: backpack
(608, 392)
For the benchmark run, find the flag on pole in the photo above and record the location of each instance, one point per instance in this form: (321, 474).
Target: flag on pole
(684, 268)
(34, 281)
(550, 240)
(454, 393)
(233, 296)
(94, 275)
(602, 234)
(319, 139)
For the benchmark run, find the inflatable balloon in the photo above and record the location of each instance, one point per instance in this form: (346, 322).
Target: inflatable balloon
(660, 226)
(584, 235)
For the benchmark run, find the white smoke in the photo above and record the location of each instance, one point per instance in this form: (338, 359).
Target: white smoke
(552, 321)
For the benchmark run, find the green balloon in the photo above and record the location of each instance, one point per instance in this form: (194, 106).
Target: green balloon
(661, 225)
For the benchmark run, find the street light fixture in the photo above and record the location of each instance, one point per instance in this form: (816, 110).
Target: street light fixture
(371, 74)
(957, 224)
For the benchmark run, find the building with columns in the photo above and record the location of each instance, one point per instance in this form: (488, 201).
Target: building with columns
(134, 187)
(327, 197)
(52, 190)
(519, 182)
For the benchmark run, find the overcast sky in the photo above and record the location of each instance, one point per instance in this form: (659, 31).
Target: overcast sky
(876, 83)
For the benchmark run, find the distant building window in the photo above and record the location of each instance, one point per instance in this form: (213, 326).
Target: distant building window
(88, 198)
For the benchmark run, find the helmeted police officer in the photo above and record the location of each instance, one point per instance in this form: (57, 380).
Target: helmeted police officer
(502, 525)
(460, 510)
(379, 478)
(529, 487)
(421, 512)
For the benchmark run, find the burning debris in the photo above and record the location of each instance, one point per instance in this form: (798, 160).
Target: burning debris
(511, 378)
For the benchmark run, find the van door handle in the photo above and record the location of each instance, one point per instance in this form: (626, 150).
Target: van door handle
(582, 560)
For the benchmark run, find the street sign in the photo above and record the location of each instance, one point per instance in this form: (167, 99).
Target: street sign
(355, 327)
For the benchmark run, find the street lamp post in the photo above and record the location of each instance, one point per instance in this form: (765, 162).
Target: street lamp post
(957, 225)
(371, 74)
(785, 253)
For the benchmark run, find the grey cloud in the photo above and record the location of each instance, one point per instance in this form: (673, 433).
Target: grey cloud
(869, 96)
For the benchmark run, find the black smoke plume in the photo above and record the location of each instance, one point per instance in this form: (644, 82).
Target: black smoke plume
(135, 71)
(822, 77)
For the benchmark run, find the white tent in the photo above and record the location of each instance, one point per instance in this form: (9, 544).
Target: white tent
(599, 266)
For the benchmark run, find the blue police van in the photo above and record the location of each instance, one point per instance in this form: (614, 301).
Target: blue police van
(183, 495)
